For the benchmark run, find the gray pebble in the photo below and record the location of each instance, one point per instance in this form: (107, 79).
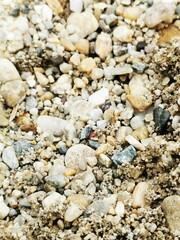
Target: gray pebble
(9, 157)
(85, 132)
(139, 67)
(119, 50)
(22, 146)
(31, 102)
(57, 180)
(63, 149)
(177, 11)
(126, 156)
(161, 117)
(93, 144)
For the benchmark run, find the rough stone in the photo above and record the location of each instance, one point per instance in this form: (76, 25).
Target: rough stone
(9, 157)
(4, 209)
(53, 200)
(103, 45)
(123, 34)
(73, 211)
(99, 97)
(161, 117)
(126, 156)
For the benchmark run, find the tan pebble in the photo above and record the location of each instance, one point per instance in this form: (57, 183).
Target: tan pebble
(92, 161)
(75, 59)
(55, 5)
(108, 114)
(42, 80)
(140, 133)
(39, 69)
(111, 211)
(79, 83)
(102, 149)
(87, 65)
(67, 44)
(82, 46)
(103, 45)
(123, 34)
(60, 224)
(139, 103)
(119, 10)
(69, 172)
(45, 154)
(167, 35)
(132, 13)
(105, 160)
(111, 140)
(139, 194)
(78, 199)
(47, 96)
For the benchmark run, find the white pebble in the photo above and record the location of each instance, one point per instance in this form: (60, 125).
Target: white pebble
(4, 209)
(136, 122)
(54, 199)
(123, 34)
(76, 5)
(73, 211)
(99, 97)
(97, 73)
(119, 209)
(134, 142)
(9, 157)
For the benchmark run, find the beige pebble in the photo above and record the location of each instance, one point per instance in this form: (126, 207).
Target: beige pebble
(139, 103)
(139, 194)
(73, 211)
(79, 83)
(134, 142)
(111, 140)
(69, 172)
(123, 34)
(132, 13)
(102, 149)
(103, 45)
(3, 120)
(41, 78)
(82, 46)
(75, 59)
(119, 10)
(78, 199)
(87, 65)
(167, 35)
(47, 96)
(92, 161)
(67, 44)
(97, 73)
(15, 46)
(55, 5)
(121, 134)
(140, 133)
(108, 114)
(105, 160)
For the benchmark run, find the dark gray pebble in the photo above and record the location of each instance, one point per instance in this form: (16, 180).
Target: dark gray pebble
(161, 117)
(126, 156)
(93, 144)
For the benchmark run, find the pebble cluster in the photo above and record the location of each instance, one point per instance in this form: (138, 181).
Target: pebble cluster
(89, 119)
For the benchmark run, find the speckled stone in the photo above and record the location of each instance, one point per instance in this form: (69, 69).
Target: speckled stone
(126, 156)
(22, 146)
(139, 67)
(85, 132)
(161, 117)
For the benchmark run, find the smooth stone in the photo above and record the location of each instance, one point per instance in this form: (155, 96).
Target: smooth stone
(53, 200)
(120, 209)
(123, 34)
(93, 144)
(136, 122)
(85, 23)
(137, 85)
(126, 156)
(80, 109)
(78, 199)
(139, 194)
(82, 46)
(134, 142)
(73, 212)
(22, 146)
(85, 132)
(87, 65)
(9, 157)
(77, 155)
(22, 24)
(15, 46)
(4, 209)
(99, 97)
(139, 67)
(159, 12)
(3, 120)
(8, 71)
(97, 73)
(31, 102)
(170, 207)
(140, 103)
(103, 45)
(104, 160)
(132, 13)
(56, 126)
(76, 5)
(44, 11)
(140, 133)
(140, 46)
(119, 50)
(62, 149)
(96, 114)
(41, 78)
(161, 117)
(63, 84)
(177, 11)
(55, 5)
(122, 132)
(14, 92)
(122, 70)
(58, 181)
(167, 35)
(127, 113)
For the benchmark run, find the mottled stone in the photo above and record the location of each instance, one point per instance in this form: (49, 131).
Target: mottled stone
(139, 67)
(103, 45)
(9, 157)
(4, 209)
(73, 211)
(123, 34)
(126, 156)
(85, 132)
(22, 146)
(161, 117)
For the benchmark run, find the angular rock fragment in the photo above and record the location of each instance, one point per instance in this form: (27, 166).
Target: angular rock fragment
(126, 156)
(161, 117)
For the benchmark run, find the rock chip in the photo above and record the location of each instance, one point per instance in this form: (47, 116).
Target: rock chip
(126, 156)
(81, 109)
(139, 194)
(77, 156)
(134, 142)
(73, 211)
(159, 12)
(85, 23)
(78, 199)
(9, 157)
(99, 97)
(123, 34)
(161, 117)
(4, 209)
(171, 206)
(166, 35)
(82, 46)
(8, 71)
(76, 5)
(58, 181)
(55, 5)
(63, 84)
(139, 103)
(122, 70)
(132, 13)
(13, 92)
(53, 200)
(139, 67)
(103, 45)
(22, 146)
(3, 120)
(42, 80)
(87, 65)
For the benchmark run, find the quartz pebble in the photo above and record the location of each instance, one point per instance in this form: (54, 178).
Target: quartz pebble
(136, 122)
(103, 45)
(134, 142)
(132, 13)
(63, 84)
(4, 209)
(171, 206)
(54, 199)
(42, 80)
(82, 46)
(99, 97)
(160, 12)
(161, 117)
(97, 73)
(78, 199)
(123, 34)
(9, 157)
(81, 109)
(126, 156)
(139, 194)
(76, 5)
(73, 211)
(87, 65)
(77, 156)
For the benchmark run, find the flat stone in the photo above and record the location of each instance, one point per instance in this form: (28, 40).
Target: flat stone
(76, 157)
(122, 70)
(103, 45)
(8, 71)
(82, 46)
(161, 117)
(99, 97)
(9, 157)
(73, 212)
(15, 46)
(171, 206)
(4, 209)
(126, 156)
(53, 200)
(134, 142)
(123, 34)
(22, 146)
(139, 67)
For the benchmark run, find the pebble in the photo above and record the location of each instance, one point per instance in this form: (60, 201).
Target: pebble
(22, 24)
(9, 157)
(56, 126)
(31, 102)
(161, 117)
(122, 70)
(54, 199)
(166, 35)
(119, 50)
(4, 209)
(139, 194)
(136, 122)
(137, 85)
(81, 109)
(15, 46)
(99, 97)
(58, 181)
(78, 199)
(85, 132)
(97, 73)
(132, 13)
(139, 67)
(63, 84)
(140, 103)
(127, 113)
(13, 92)
(93, 144)
(75, 59)
(42, 80)
(8, 71)
(87, 65)
(55, 5)
(22, 146)
(140, 133)
(85, 23)
(125, 156)
(73, 211)
(159, 12)
(171, 206)
(140, 46)
(122, 132)
(3, 120)
(119, 209)
(104, 160)
(134, 142)
(103, 45)
(82, 46)
(77, 156)
(76, 5)
(123, 34)
(67, 44)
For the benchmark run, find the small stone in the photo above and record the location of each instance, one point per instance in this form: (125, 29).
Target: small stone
(85, 23)
(126, 156)
(65, 67)
(78, 199)
(73, 211)
(127, 113)
(140, 46)
(97, 73)
(54, 199)
(139, 67)
(14, 92)
(161, 117)
(76, 5)
(134, 142)
(87, 65)
(82, 46)
(122, 70)
(67, 44)
(8, 72)
(140, 133)
(103, 148)
(3, 120)
(171, 206)
(177, 11)
(57, 181)
(103, 45)
(119, 50)
(22, 146)
(15, 46)
(132, 13)
(119, 210)
(62, 149)
(76, 157)
(139, 103)
(22, 24)
(31, 102)
(166, 35)
(99, 97)
(136, 122)
(81, 109)
(105, 160)
(123, 34)
(69, 172)
(75, 59)
(63, 84)
(79, 83)
(93, 144)
(55, 5)
(122, 133)
(15, 12)
(85, 132)
(139, 194)
(159, 12)
(119, 10)
(92, 161)
(4, 209)
(57, 60)
(9, 157)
